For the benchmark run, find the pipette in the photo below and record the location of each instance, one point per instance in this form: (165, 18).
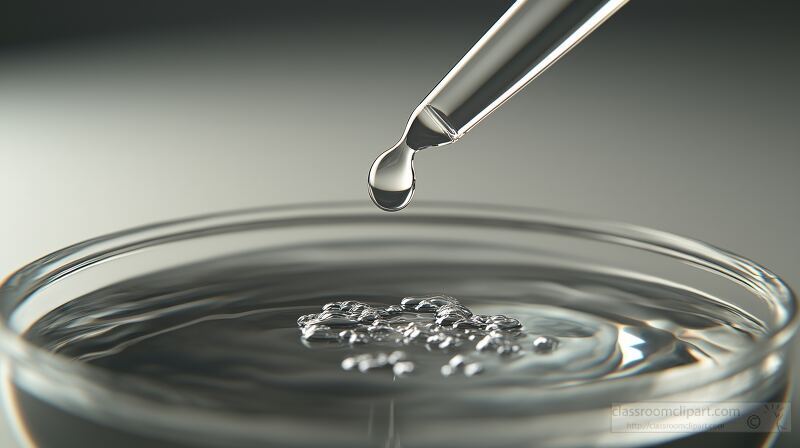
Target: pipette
(524, 42)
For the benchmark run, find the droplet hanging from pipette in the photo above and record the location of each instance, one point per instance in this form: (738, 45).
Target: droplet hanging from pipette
(391, 178)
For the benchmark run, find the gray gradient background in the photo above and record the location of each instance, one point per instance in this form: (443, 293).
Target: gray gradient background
(678, 115)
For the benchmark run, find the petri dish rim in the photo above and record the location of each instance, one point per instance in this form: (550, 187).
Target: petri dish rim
(61, 264)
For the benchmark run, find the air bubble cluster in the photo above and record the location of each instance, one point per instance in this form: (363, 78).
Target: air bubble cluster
(439, 323)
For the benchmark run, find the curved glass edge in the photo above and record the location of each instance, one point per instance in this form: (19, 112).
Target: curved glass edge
(98, 383)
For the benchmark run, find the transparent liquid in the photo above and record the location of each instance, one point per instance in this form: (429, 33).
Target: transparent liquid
(391, 178)
(224, 336)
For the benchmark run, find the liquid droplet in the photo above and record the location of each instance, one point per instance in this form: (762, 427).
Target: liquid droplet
(391, 178)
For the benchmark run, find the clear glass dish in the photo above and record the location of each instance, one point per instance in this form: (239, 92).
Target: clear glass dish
(57, 400)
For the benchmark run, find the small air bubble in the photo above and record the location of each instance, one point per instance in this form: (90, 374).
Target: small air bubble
(368, 317)
(409, 303)
(506, 323)
(467, 325)
(320, 333)
(332, 306)
(394, 309)
(473, 369)
(457, 361)
(426, 307)
(482, 319)
(303, 320)
(396, 356)
(508, 349)
(449, 342)
(403, 368)
(486, 343)
(448, 319)
(349, 363)
(544, 344)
